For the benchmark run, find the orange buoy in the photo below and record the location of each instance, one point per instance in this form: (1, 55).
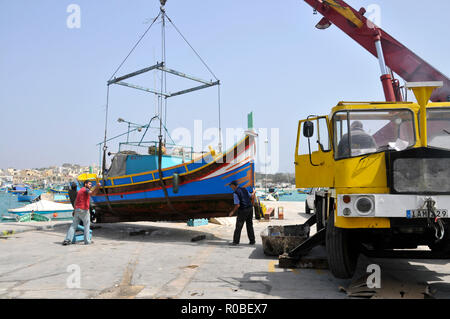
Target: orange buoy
(55, 215)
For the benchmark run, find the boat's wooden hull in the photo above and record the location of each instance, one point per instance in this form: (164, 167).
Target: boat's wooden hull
(183, 208)
(203, 190)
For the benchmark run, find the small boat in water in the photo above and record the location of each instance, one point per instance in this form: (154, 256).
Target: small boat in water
(46, 208)
(61, 198)
(18, 189)
(55, 197)
(60, 189)
(27, 196)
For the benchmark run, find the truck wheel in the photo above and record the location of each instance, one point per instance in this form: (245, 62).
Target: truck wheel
(441, 247)
(307, 209)
(318, 211)
(341, 250)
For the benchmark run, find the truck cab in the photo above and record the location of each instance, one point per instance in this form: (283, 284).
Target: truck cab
(386, 169)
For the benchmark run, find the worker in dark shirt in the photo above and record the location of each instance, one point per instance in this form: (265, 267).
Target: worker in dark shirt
(243, 205)
(73, 194)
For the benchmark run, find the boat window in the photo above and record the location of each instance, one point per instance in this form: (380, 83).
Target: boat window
(372, 132)
(438, 127)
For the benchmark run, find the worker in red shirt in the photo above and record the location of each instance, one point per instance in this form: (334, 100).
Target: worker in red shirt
(81, 213)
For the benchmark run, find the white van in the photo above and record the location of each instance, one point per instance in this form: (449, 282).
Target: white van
(310, 198)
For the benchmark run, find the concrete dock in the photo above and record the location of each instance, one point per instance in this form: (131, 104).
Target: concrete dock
(159, 260)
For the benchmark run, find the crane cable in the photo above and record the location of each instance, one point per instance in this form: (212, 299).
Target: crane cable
(107, 109)
(210, 71)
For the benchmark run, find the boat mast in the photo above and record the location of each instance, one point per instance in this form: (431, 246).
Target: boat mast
(162, 99)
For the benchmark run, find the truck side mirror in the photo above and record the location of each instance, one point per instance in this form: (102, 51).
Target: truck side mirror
(308, 132)
(308, 129)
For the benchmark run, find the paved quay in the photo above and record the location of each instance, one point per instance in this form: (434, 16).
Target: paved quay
(159, 260)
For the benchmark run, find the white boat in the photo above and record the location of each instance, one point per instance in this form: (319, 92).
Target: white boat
(273, 197)
(46, 208)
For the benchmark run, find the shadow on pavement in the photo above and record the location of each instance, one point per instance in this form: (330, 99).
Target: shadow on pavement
(130, 232)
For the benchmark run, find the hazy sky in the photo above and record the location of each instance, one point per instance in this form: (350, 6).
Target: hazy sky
(268, 55)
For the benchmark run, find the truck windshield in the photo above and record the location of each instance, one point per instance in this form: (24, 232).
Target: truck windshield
(372, 132)
(438, 127)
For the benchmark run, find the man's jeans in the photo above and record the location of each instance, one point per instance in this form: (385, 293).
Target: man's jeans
(244, 216)
(85, 217)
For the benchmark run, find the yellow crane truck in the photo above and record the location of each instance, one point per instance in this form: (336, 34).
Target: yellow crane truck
(386, 168)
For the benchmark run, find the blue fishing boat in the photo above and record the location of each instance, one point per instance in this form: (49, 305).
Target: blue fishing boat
(61, 198)
(17, 189)
(191, 190)
(155, 182)
(60, 189)
(27, 197)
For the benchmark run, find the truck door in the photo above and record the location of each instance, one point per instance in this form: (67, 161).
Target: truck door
(314, 162)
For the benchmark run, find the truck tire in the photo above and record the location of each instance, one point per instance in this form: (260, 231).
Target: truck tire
(440, 247)
(341, 250)
(318, 203)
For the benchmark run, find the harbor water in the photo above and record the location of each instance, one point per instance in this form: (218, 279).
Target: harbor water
(293, 197)
(9, 201)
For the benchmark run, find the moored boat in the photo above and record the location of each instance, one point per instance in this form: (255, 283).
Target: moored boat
(60, 189)
(17, 189)
(46, 208)
(28, 196)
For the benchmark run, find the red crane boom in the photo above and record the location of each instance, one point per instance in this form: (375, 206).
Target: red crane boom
(388, 50)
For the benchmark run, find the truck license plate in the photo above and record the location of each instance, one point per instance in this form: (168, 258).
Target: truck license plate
(423, 213)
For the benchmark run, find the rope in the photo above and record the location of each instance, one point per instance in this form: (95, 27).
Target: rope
(220, 126)
(210, 71)
(439, 230)
(204, 63)
(160, 109)
(106, 130)
(161, 181)
(134, 47)
(106, 195)
(164, 75)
